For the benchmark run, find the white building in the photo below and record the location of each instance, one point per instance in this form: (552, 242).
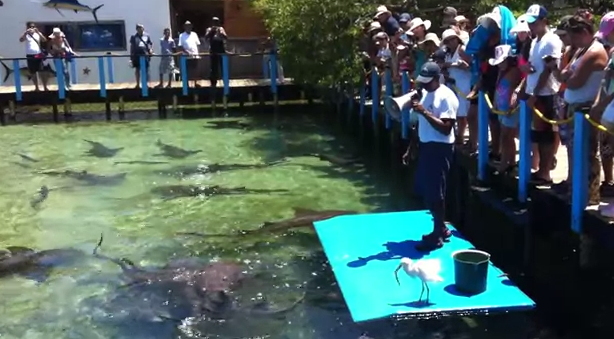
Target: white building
(116, 23)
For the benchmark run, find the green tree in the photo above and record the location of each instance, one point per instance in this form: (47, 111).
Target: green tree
(319, 39)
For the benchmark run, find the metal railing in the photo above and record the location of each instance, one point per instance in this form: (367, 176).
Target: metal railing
(581, 124)
(106, 72)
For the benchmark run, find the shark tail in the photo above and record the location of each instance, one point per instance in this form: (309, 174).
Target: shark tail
(95, 10)
(7, 71)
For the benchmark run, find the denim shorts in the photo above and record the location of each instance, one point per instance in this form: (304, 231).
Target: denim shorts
(434, 160)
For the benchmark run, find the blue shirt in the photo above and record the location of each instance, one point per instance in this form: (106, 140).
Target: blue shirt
(391, 26)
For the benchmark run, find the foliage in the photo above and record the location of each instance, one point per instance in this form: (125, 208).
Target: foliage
(319, 39)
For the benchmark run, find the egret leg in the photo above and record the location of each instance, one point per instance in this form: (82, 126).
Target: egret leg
(421, 293)
(428, 292)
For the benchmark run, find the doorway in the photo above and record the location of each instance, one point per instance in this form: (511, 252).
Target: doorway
(199, 12)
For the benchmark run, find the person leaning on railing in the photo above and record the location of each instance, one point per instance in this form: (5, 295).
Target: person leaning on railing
(140, 45)
(60, 48)
(583, 76)
(604, 111)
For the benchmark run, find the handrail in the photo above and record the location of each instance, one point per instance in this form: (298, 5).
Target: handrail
(105, 71)
(127, 55)
(581, 124)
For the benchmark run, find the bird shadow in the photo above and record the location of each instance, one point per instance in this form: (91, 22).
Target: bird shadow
(414, 304)
(508, 282)
(394, 250)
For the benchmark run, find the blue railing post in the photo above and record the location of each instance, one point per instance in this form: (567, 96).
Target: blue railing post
(524, 139)
(73, 71)
(110, 68)
(405, 113)
(482, 137)
(579, 174)
(389, 93)
(363, 96)
(226, 74)
(273, 71)
(374, 95)
(183, 65)
(17, 79)
(101, 78)
(143, 70)
(59, 71)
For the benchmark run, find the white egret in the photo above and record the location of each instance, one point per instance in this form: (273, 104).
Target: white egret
(427, 270)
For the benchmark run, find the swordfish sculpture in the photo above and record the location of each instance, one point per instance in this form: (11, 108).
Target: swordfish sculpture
(72, 5)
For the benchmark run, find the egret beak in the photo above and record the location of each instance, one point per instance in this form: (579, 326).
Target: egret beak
(396, 274)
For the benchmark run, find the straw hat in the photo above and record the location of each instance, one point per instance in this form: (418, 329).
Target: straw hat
(56, 32)
(502, 52)
(417, 22)
(431, 37)
(449, 33)
(460, 18)
(375, 26)
(521, 25)
(381, 10)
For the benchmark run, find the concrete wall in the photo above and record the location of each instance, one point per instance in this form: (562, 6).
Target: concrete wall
(154, 14)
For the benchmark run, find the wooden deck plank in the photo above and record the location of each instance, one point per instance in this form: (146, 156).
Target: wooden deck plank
(234, 83)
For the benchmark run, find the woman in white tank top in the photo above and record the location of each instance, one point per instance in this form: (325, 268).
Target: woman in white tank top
(583, 77)
(457, 65)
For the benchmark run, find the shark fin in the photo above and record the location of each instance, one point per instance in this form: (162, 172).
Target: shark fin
(299, 211)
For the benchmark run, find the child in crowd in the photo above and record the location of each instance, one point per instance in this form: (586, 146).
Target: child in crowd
(404, 57)
(508, 80)
(384, 55)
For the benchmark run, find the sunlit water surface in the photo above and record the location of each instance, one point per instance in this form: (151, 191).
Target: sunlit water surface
(85, 298)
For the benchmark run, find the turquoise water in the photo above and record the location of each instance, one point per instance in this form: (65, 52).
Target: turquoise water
(86, 297)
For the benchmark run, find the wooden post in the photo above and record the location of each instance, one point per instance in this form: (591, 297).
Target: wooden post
(2, 116)
(121, 110)
(107, 109)
(12, 112)
(67, 108)
(54, 107)
(175, 100)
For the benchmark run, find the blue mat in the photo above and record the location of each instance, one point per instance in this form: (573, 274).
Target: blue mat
(365, 249)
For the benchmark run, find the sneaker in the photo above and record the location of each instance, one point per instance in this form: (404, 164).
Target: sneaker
(444, 234)
(606, 189)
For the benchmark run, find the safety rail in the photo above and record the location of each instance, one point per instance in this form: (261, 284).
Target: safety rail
(106, 73)
(581, 124)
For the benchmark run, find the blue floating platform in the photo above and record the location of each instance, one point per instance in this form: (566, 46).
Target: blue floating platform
(365, 249)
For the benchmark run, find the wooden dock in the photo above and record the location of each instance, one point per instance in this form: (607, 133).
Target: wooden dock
(241, 90)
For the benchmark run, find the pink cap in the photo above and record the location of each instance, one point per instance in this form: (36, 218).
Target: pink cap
(606, 26)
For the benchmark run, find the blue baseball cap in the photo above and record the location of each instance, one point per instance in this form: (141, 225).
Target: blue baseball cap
(405, 17)
(536, 12)
(430, 70)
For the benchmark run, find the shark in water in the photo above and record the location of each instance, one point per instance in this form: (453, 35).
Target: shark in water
(24, 72)
(72, 5)
(174, 152)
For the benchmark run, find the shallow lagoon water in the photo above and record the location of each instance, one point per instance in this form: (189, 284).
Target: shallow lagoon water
(85, 299)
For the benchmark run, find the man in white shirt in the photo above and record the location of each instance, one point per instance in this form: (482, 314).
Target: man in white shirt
(437, 110)
(35, 55)
(542, 89)
(189, 42)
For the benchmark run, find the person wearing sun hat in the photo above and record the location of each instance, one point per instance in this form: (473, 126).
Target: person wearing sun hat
(389, 23)
(508, 80)
(457, 64)
(436, 107)
(542, 89)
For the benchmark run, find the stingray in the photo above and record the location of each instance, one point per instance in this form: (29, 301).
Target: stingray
(174, 152)
(185, 171)
(207, 288)
(140, 162)
(302, 218)
(169, 192)
(26, 157)
(101, 151)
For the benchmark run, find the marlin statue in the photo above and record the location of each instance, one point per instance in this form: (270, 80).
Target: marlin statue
(72, 5)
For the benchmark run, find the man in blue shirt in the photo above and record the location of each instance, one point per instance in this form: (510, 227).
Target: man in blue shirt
(389, 23)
